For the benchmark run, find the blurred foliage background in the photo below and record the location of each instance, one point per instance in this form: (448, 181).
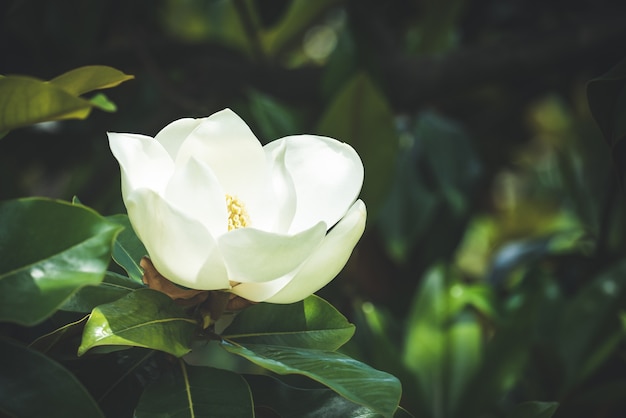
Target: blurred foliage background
(493, 268)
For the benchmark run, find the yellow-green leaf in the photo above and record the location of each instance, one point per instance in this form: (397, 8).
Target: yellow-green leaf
(94, 77)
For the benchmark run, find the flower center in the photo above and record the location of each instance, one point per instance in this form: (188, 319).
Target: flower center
(237, 215)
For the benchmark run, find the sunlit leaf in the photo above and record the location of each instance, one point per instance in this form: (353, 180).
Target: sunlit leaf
(93, 77)
(33, 385)
(312, 323)
(189, 391)
(143, 318)
(352, 379)
(128, 249)
(50, 249)
(361, 116)
(26, 101)
(102, 102)
(534, 410)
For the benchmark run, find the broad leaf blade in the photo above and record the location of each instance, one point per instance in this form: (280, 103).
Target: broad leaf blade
(128, 249)
(33, 385)
(196, 392)
(607, 102)
(312, 323)
(352, 379)
(50, 249)
(26, 101)
(112, 288)
(143, 318)
(93, 77)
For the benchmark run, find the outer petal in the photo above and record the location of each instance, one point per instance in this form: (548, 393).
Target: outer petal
(327, 175)
(180, 248)
(194, 190)
(328, 260)
(226, 144)
(143, 161)
(173, 135)
(257, 256)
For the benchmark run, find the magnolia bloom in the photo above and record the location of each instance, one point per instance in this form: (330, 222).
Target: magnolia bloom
(217, 211)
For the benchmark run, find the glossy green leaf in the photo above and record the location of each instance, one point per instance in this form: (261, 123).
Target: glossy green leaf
(26, 101)
(93, 77)
(534, 410)
(33, 385)
(128, 249)
(50, 249)
(143, 318)
(290, 401)
(350, 378)
(361, 116)
(112, 288)
(189, 391)
(312, 323)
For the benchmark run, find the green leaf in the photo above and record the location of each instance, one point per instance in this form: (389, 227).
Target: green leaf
(128, 249)
(143, 318)
(350, 378)
(26, 101)
(50, 249)
(534, 410)
(46, 342)
(607, 102)
(312, 323)
(289, 401)
(93, 77)
(112, 288)
(273, 119)
(361, 116)
(33, 385)
(191, 392)
(102, 102)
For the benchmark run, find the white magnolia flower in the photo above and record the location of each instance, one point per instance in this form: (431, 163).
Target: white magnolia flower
(216, 210)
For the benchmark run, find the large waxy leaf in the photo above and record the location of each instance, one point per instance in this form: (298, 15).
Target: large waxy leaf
(196, 392)
(92, 77)
(26, 101)
(50, 249)
(352, 379)
(143, 318)
(289, 401)
(312, 323)
(128, 249)
(361, 116)
(33, 385)
(112, 288)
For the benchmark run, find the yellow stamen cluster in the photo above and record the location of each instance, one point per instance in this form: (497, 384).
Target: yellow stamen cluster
(237, 215)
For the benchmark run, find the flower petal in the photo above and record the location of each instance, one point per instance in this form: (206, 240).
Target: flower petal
(329, 259)
(143, 161)
(195, 191)
(252, 255)
(284, 190)
(327, 175)
(173, 135)
(225, 143)
(181, 248)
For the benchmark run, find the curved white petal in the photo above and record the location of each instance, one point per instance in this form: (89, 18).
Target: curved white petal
(225, 143)
(143, 161)
(195, 191)
(327, 175)
(252, 255)
(180, 248)
(329, 259)
(259, 292)
(173, 135)
(284, 190)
